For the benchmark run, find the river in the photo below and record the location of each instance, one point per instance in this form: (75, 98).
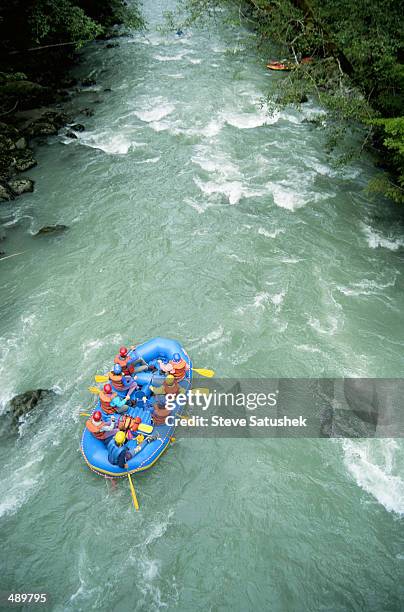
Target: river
(194, 214)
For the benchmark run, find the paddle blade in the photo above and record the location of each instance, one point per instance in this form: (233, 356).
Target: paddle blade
(95, 390)
(87, 414)
(133, 492)
(145, 428)
(101, 378)
(204, 372)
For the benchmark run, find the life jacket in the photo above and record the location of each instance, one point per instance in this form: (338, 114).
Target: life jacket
(116, 454)
(105, 401)
(96, 429)
(179, 369)
(116, 380)
(159, 415)
(127, 423)
(174, 388)
(124, 364)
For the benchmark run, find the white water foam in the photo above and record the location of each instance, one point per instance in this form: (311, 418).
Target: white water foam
(263, 232)
(366, 287)
(372, 463)
(155, 111)
(285, 197)
(376, 240)
(233, 190)
(112, 143)
(247, 121)
(171, 58)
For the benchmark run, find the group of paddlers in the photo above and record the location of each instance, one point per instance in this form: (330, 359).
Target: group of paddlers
(120, 427)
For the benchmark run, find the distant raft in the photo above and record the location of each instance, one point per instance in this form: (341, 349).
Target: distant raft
(156, 437)
(274, 65)
(286, 64)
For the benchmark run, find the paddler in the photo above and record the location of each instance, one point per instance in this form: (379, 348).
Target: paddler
(102, 430)
(111, 402)
(160, 413)
(169, 386)
(128, 363)
(122, 382)
(118, 451)
(177, 366)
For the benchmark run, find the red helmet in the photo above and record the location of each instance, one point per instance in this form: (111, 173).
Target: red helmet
(97, 416)
(108, 388)
(123, 351)
(138, 420)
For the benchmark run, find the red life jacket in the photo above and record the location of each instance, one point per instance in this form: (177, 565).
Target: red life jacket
(105, 401)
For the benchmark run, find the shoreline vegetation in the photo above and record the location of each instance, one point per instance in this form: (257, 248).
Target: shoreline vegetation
(39, 40)
(355, 69)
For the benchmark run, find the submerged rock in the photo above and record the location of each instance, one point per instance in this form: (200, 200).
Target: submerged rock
(21, 185)
(5, 194)
(88, 112)
(112, 45)
(78, 127)
(22, 404)
(71, 134)
(51, 229)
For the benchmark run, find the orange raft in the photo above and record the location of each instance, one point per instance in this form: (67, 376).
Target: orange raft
(278, 66)
(286, 65)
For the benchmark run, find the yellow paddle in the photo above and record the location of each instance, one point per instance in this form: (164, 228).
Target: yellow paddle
(204, 372)
(100, 378)
(95, 390)
(132, 490)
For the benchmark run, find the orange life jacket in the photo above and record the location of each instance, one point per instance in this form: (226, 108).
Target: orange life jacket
(124, 364)
(96, 429)
(159, 415)
(127, 422)
(174, 388)
(105, 401)
(179, 369)
(116, 380)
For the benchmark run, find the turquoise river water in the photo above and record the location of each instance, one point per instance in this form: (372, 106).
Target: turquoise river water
(195, 214)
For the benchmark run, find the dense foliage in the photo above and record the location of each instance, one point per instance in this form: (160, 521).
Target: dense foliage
(26, 23)
(356, 71)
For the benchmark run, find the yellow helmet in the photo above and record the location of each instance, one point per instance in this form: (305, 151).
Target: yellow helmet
(120, 437)
(139, 438)
(170, 379)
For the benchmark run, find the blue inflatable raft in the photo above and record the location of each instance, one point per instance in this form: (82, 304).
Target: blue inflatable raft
(95, 451)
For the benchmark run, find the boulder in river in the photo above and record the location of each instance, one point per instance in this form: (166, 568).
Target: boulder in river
(51, 229)
(23, 160)
(21, 185)
(22, 404)
(5, 194)
(41, 121)
(71, 134)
